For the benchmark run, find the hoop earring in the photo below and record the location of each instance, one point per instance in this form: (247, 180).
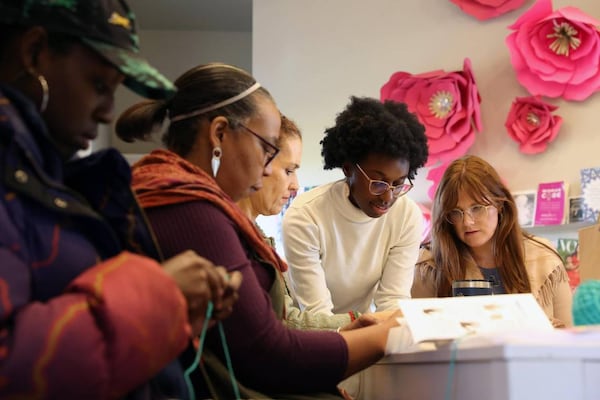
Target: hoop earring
(215, 162)
(45, 90)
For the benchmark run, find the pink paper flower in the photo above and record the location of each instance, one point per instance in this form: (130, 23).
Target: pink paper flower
(556, 54)
(487, 9)
(435, 175)
(531, 124)
(426, 211)
(447, 103)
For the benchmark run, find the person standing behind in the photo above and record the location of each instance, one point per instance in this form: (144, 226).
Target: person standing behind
(476, 235)
(279, 189)
(82, 316)
(354, 242)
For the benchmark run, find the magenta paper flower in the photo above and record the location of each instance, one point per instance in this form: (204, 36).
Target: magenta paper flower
(426, 211)
(556, 54)
(531, 124)
(487, 9)
(435, 175)
(447, 103)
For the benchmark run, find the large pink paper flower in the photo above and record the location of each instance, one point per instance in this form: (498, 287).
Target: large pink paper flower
(487, 9)
(531, 124)
(556, 54)
(447, 103)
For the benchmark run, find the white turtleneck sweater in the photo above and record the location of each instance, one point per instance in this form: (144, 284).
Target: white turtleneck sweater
(343, 260)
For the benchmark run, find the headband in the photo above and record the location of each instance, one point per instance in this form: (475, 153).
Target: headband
(220, 104)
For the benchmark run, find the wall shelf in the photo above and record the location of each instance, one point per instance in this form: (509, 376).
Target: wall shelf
(557, 229)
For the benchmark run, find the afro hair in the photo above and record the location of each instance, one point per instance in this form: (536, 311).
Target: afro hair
(368, 126)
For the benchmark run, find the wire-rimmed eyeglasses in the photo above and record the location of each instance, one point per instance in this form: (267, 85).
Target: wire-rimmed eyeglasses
(476, 212)
(270, 149)
(378, 188)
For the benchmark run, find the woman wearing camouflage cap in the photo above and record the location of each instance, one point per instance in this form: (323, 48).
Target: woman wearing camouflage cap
(81, 315)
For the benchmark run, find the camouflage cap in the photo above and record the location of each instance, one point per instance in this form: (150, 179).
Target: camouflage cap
(105, 26)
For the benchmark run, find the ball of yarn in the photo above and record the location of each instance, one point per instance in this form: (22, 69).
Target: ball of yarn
(586, 303)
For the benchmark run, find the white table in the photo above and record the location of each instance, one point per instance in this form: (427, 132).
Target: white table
(553, 366)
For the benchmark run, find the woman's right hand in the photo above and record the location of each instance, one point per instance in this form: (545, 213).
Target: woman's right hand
(200, 282)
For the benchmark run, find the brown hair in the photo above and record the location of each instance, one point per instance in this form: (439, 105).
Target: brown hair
(478, 178)
(289, 129)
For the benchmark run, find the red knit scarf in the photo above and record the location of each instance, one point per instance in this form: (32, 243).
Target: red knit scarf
(163, 178)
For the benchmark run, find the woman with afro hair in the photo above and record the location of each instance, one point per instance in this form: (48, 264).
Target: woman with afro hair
(352, 244)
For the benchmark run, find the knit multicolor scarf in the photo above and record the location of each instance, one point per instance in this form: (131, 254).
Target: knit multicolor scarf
(164, 178)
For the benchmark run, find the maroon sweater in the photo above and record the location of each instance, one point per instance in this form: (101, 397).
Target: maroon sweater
(266, 355)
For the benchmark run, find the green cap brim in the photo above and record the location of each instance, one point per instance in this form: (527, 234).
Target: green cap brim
(140, 76)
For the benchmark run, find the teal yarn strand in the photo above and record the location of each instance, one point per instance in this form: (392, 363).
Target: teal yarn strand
(586, 303)
(188, 372)
(452, 366)
(192, 368)
(236, 389)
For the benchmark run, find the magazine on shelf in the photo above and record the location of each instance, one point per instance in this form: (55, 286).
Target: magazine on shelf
(444, 319)
(576, 209)
(590, 190)
(569, 251)
(525, 201)
(551, 203)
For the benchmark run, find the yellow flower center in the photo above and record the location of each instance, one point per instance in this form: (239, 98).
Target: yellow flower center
(564, 38)
(440, 104)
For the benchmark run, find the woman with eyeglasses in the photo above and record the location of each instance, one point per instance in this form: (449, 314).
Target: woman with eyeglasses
(222, 137)
(476, 235)
(353, 243)
(278, 190)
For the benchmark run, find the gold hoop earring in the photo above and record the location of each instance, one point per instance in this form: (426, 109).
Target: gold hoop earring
(45, 89)
(45, 92)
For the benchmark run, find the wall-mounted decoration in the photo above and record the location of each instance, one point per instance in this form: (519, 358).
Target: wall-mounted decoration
(530, 123)
(435, 176)
(487, 9)
(556, 53)
(447, 103)
(426, 211)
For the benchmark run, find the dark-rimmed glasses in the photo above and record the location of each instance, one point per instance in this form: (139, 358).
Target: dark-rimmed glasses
(476, 212)
(270, 149)
(378, 188)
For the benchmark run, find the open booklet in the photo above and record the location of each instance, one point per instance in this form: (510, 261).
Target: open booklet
(440, 320)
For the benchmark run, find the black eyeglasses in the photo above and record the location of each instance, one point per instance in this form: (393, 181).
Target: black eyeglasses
(378, 188)
(270, 149)
(476, 212)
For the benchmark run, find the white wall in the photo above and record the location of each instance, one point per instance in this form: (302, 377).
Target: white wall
(313, 54)
(173, 53)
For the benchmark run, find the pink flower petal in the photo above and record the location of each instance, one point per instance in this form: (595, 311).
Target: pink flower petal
(486, 9)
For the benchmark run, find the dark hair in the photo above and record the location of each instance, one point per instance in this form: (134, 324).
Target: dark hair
(60, 43)
(368, 126)
(200, 87)
(475, 176)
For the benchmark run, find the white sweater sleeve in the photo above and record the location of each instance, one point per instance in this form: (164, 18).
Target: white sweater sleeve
(303, 251)
(398, 271)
